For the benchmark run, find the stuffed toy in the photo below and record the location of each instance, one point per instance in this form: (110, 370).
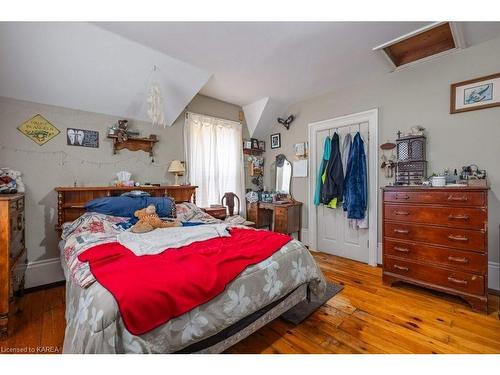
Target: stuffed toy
(149, 220)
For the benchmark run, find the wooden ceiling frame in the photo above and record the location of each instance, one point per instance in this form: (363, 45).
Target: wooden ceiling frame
(456, 33)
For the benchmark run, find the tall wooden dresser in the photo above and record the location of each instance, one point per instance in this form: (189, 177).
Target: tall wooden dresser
(437, 238)
(13, 257)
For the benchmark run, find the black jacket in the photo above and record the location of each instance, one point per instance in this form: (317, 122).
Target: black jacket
(334, 183)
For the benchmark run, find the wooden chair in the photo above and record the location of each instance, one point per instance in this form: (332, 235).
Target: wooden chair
(229, 197)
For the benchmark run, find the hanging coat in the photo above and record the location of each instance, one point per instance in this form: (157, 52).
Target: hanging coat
(346, 149)
(334, 181)
(324, 162)
(355, 187)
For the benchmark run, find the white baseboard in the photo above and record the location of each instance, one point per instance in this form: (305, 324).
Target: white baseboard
(494, 276)
(42, 272)
(493, 270)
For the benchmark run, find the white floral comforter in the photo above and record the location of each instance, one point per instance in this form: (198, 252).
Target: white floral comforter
(93, 319)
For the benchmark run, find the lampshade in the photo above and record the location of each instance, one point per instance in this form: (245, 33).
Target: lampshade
(176, 167)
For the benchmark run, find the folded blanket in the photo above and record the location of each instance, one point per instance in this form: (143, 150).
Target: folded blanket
(158, 240)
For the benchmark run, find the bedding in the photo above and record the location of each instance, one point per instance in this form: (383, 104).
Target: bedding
(125, 206)
(94, 322)
(156, 241)
(174, 282)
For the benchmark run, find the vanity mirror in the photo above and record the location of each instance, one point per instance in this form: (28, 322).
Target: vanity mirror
(282, 175)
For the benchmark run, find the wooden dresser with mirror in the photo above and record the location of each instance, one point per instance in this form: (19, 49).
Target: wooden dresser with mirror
(281, 216)
(13, 255)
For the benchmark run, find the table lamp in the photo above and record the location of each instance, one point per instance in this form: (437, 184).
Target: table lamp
(177, 168)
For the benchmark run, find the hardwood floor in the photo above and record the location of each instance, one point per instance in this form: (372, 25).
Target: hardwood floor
(366, 317)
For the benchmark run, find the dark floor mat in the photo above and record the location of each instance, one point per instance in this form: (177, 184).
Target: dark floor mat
(302, 310)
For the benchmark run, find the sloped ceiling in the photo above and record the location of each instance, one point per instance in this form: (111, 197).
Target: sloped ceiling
(262, 66)
(283, 61)
(82, 66)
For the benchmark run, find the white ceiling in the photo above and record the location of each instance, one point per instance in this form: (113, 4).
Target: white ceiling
(264, 67)
(283, 61)
(82, 66)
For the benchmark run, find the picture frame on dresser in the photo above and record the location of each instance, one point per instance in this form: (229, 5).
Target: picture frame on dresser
(438, 238)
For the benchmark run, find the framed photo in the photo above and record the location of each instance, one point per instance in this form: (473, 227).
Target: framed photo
(247, 144)
(479, 93)
(82, 138)
(255, 143)
(300, 150)
(262, 145)
(276, 140)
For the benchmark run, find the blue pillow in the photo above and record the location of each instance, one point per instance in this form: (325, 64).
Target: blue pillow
(126, 206)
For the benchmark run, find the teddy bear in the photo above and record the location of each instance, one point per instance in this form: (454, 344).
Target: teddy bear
(149, 220)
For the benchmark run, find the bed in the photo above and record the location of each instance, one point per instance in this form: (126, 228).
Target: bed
(259, 294)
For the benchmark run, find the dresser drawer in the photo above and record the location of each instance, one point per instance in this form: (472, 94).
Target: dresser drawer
(17, 274)
(16, 223)
(458, 259)
(464, 239)
(454, 198)
(457, 280)
(457, 217)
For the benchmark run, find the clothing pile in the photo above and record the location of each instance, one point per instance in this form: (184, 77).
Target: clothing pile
(342, 178)
(10, 181)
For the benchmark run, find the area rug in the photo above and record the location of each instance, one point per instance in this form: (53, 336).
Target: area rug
(302, 310)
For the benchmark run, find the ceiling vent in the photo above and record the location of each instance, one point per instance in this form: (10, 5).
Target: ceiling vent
(429, 42)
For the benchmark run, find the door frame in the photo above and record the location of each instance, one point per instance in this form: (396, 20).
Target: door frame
(371, 117)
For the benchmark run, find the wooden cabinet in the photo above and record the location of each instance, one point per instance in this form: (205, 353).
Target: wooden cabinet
(13, 256)
(282, 218)
(217, 212)
(437, 238)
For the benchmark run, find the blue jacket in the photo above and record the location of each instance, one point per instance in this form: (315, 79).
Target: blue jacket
(356, 180)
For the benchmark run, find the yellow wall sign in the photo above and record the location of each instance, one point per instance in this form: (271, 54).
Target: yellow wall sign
(39, 130)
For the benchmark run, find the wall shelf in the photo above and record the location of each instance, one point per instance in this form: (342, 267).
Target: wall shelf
(135, 144)
(252, 151)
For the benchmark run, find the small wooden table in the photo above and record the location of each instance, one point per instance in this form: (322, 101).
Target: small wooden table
(282, 218)
(217, 212)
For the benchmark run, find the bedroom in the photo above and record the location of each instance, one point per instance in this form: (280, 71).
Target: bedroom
(319, 187)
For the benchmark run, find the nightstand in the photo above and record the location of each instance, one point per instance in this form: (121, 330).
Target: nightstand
(217, 212)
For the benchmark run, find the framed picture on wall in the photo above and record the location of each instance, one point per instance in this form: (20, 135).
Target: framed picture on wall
(276, 140)
(478, 93)
(255, 143)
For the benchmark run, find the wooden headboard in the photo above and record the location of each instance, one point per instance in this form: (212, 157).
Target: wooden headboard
(71, 200)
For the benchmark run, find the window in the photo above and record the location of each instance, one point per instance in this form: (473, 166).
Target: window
(214, 156)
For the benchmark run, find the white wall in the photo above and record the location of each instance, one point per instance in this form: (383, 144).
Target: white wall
(43, 172)
(417, 95)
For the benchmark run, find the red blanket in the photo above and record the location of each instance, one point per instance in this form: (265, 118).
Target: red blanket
(152, 289)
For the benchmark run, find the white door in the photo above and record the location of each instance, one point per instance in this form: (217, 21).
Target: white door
(332, 230)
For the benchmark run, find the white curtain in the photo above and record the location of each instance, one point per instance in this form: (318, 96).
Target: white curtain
(214, 155)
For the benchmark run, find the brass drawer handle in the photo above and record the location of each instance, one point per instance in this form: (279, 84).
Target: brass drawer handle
(462, 260)
(401, 231)
(463, 198)
(401, 213)
(451, 279)
(401, 268)
(401, 249)
(458, 238)
(402, 196)
(458, 217)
